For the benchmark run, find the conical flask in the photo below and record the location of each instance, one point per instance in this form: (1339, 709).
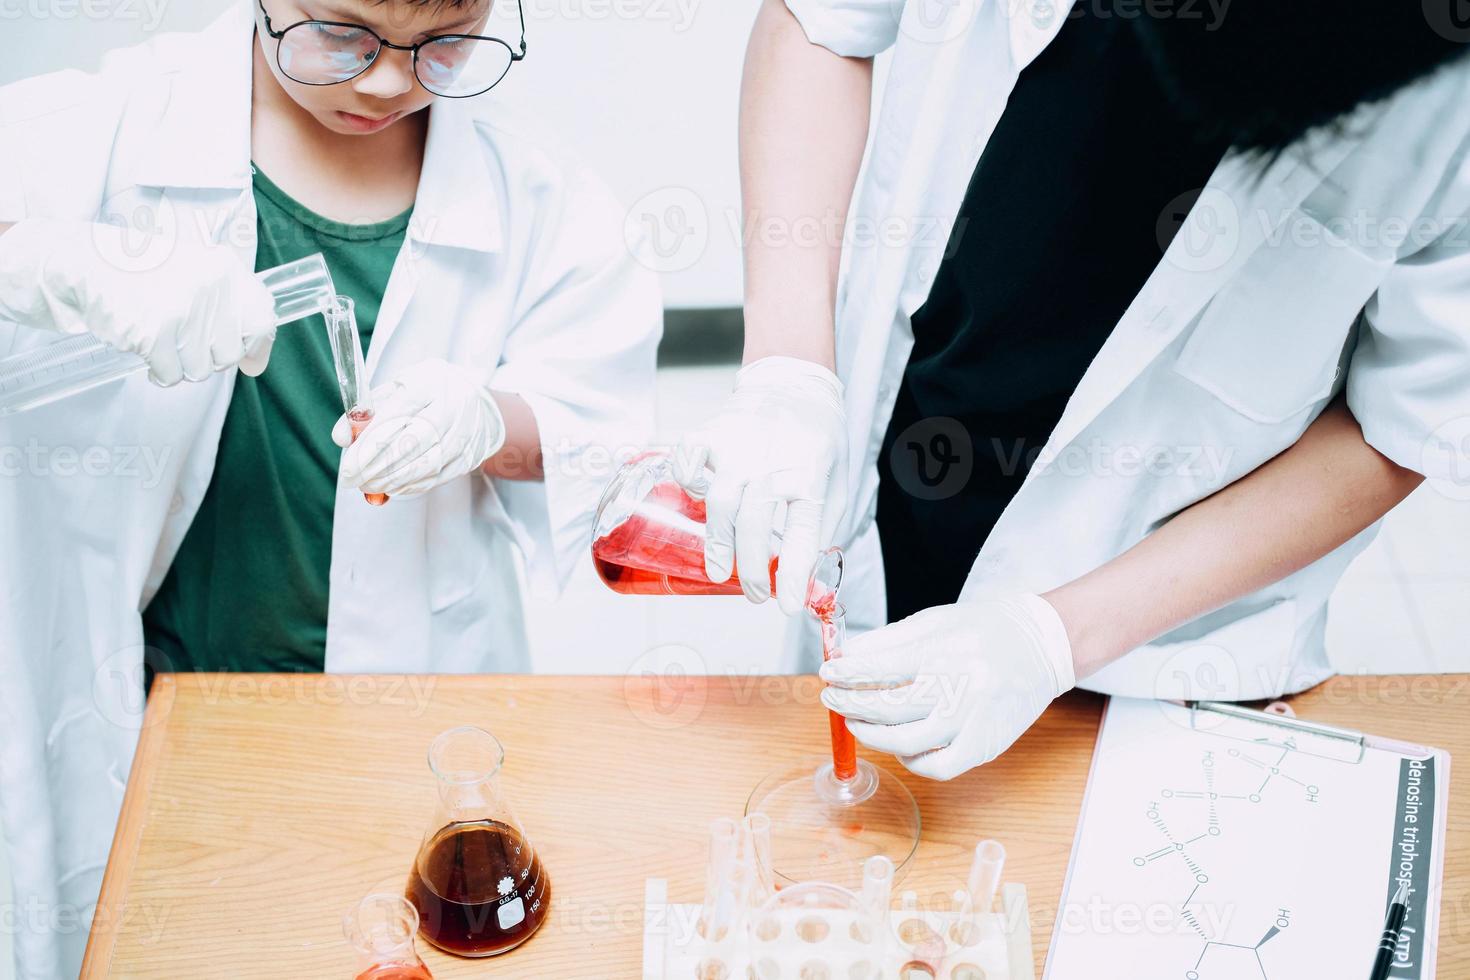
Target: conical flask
(648, 539)
(477, 883)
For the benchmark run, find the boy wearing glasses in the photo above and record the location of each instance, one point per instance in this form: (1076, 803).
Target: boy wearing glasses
(510, 340)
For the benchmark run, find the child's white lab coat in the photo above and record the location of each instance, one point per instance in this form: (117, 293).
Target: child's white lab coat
(513, 266)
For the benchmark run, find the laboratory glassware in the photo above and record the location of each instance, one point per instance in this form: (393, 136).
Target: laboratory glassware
(954, 942)
(833, 625)
(973, 903)
(648, 539)
(381, 929)
(750, 929)
(476, 882)
(74, 364)
(825, 930)
(829, 816)
(357, 399)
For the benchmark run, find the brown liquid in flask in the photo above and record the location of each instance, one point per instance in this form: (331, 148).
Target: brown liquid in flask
(478, 885)
(479, 888)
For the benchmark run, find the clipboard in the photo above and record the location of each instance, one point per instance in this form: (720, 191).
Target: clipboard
(1301, 828)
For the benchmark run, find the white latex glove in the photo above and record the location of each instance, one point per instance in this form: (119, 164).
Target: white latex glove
(781, 437)
(189, 310)
(952, 687)
(433, 424)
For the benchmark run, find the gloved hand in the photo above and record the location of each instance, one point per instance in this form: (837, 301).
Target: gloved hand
(952, 687)
(195, 311)
(433, 424)
(780, 437)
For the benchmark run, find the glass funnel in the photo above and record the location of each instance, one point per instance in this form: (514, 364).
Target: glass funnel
(477, 883)
(830, 816)
(648, 539)
(380, 930)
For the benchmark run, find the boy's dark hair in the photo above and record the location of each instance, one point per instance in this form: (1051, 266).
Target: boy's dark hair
(1265, 72)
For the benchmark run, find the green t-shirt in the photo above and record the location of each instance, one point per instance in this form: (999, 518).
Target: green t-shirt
(248, 589)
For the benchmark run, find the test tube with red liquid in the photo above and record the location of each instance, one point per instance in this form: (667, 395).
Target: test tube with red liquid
(648, 539)
(833, 622)
(351, 367)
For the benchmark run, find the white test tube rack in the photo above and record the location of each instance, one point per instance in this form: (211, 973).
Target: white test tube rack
(746, 929)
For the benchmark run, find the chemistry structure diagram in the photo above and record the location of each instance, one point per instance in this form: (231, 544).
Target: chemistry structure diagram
(1278, 768)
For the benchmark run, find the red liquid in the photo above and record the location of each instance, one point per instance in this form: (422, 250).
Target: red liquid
(359, 418)
(844, 746)
(396, 971)
(479, 889)
(644, 557)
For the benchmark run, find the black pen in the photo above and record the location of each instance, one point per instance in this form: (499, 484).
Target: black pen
(1389, 944)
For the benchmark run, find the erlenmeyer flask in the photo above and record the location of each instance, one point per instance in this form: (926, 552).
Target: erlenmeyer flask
(648, 539)
(477, 883)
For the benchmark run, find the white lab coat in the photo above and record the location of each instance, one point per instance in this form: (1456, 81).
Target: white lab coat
(513, 265)
(1242, 334)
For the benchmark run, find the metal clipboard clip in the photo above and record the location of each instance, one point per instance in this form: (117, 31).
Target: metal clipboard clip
(1262, 728)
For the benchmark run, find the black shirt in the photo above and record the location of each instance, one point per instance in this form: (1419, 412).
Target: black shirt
(1077, 194)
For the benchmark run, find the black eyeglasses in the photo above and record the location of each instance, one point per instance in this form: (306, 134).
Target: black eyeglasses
(456, 66)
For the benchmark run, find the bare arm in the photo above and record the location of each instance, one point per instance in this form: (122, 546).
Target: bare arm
(520, 458)
(803, 125)
(1274, 521)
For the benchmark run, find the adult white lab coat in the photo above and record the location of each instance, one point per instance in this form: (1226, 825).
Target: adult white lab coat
(1347, 264)
(513, 265)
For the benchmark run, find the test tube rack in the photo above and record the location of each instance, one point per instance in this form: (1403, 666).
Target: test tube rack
(748, 929)
(673, 949)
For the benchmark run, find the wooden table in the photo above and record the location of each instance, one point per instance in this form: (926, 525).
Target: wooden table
(261, 807)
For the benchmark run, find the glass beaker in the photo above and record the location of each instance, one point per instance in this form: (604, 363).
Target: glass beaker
(381, 929)
(648, 539)
(477, 883)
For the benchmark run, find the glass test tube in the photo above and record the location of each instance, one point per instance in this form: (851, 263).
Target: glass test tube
(71, 365)
(990, 860)
(833, 623)
(351, 367)
(721, 909)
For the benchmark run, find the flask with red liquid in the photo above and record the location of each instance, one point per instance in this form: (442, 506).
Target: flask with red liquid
(477, 883)
(381, 930)
(648, 539)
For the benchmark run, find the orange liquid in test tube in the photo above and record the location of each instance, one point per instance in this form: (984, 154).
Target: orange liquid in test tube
(844, 746)
(359, 418)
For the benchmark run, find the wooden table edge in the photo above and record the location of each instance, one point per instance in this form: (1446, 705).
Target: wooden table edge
(126, 839)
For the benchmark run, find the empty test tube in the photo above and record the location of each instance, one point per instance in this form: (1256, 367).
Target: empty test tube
(878, 884)
(760, 879)
(964, 928)
(990, 860)
(721, 906)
